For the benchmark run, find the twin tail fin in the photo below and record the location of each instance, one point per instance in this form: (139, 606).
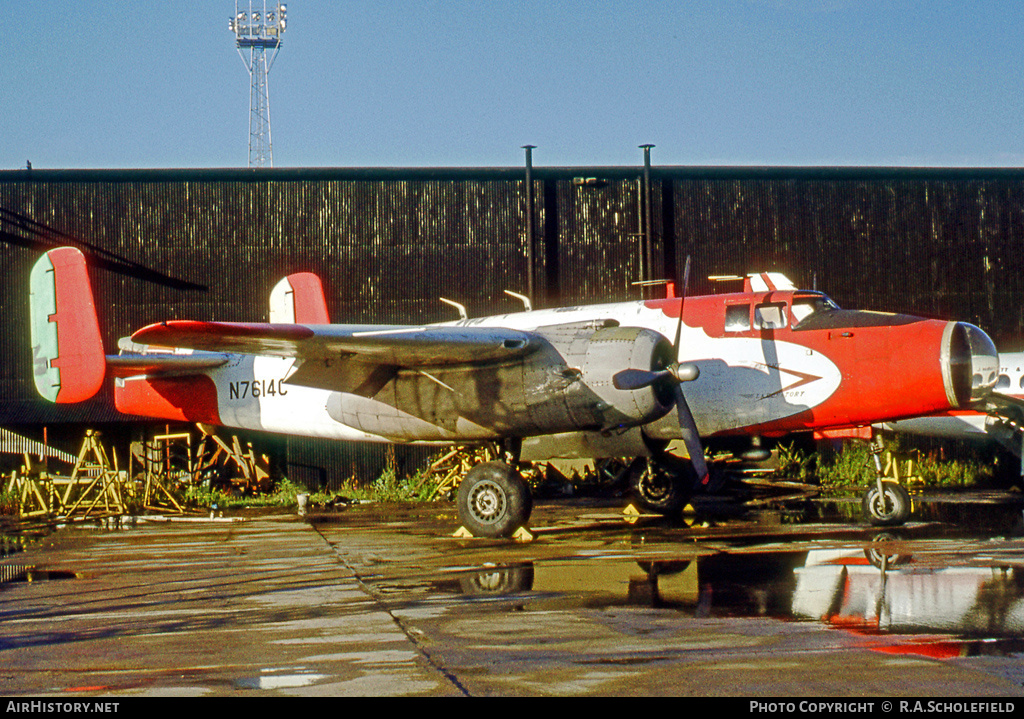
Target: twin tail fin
(67, 350)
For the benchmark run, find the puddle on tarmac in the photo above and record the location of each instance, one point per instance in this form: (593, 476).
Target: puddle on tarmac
(278, 681)
(903, 597)
(935, 588)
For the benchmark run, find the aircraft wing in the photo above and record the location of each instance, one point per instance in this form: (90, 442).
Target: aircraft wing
(347, 358)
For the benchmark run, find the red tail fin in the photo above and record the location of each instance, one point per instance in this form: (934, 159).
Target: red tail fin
(299, 299)
(67, 350)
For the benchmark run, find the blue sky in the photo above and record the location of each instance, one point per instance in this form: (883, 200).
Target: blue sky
(397, 83)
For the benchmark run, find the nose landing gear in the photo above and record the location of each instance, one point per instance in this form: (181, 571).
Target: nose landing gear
(886, 503)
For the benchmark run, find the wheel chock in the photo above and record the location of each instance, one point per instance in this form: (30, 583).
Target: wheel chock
(631, 514)
(522, 535)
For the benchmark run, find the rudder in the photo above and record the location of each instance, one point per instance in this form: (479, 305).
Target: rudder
(299, 299)
(67, 349)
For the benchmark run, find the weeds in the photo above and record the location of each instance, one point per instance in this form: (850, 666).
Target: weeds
(796, 464)
(954, 473)
(9, 503)
(854, 466)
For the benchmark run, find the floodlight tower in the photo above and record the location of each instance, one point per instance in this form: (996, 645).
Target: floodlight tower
(258, 31)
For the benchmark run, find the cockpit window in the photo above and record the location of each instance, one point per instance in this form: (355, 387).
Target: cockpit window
(807, 306)
(770, 316)
(737, 318)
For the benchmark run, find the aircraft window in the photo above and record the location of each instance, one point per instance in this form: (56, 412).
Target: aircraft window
(1022, 382)
(1003, 382)
(737, 318)
(769, 317)
(804, 307)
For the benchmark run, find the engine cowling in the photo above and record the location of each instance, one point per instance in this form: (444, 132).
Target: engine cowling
(599, 358)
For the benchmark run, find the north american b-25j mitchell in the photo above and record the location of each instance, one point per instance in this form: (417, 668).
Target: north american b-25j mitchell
(606, 380)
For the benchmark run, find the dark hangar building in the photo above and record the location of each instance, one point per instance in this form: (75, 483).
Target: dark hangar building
(388, 243)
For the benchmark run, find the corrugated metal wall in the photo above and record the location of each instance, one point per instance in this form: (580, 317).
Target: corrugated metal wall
(942, 245)
(388, 243)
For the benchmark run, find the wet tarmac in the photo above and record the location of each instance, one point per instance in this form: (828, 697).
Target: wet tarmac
(382, 600)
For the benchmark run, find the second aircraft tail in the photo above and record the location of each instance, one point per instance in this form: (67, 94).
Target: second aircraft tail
(299, 299)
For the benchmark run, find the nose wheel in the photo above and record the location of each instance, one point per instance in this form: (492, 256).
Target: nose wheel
(886, 504)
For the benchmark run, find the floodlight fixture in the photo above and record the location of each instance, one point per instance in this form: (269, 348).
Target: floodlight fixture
(258, 30)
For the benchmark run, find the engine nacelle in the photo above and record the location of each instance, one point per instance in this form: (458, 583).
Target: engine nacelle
(598, 356)
(565, 385)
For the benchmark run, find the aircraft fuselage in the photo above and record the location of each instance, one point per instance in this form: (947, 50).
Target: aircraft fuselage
(769, 363)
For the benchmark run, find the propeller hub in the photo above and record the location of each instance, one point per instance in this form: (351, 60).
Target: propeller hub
(685, 372)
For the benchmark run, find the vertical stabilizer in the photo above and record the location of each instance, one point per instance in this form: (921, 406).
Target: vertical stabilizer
(67, 350)
(299, 299)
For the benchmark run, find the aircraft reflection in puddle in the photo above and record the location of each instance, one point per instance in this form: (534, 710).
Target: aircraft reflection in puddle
(931, 607)
(877, 594)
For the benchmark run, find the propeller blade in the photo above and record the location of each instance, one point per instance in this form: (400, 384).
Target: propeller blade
(630, 379)
(691, 438)
(682, 299)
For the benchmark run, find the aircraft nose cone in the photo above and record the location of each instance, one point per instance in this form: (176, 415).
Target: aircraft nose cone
(970, 364)
(984, 361)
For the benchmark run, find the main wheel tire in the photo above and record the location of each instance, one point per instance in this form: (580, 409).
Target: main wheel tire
(494, 500)
(658, 489)
(888, 508)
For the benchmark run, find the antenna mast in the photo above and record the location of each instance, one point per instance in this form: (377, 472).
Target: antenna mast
(257, 31)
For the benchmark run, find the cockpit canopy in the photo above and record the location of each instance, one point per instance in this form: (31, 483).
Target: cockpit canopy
(808, 305)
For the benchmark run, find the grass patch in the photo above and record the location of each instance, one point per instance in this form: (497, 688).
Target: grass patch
(387, 487)
(285, 494)
(854, 466)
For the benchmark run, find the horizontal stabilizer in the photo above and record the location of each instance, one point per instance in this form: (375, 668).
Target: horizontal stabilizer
(163, 365)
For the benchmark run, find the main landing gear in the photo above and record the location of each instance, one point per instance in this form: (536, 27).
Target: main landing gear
(661, 486)
(494, 500)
